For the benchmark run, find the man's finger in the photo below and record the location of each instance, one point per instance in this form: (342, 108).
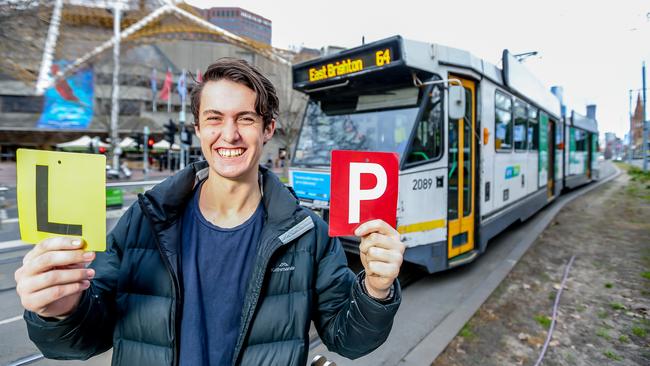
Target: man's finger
(51, 244)
(41, 299)
(54, 278)
(382, 269)
(378, 240)
(383, 255)
(376, 226)
(53, 259)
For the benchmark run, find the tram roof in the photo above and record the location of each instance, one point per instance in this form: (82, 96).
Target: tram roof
(425, 57)
(583, 122)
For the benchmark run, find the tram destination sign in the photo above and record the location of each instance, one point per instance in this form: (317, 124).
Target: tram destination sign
(347, 63)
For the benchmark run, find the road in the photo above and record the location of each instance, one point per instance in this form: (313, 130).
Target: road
(433, 309)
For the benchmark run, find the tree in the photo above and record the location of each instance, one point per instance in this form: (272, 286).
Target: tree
(289, 122)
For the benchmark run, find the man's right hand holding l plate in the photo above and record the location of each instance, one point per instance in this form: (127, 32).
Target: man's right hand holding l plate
(54, 276)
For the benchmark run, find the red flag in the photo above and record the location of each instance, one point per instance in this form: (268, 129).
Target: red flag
(167, 86)
(199, 76)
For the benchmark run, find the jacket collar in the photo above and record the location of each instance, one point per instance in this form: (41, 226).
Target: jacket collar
(166, 201)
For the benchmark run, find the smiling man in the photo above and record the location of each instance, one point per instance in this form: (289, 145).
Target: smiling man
(217, 265)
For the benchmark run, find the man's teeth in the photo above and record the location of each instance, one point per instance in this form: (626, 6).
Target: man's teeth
(230, 153)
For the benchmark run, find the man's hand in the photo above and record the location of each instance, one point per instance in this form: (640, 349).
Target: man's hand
(53, 276)
(381, 255)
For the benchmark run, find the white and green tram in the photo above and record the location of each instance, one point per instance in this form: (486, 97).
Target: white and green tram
(480, 147)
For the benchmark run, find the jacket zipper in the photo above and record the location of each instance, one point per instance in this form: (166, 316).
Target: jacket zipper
(259, 279)
(275, 244)
(175, 283)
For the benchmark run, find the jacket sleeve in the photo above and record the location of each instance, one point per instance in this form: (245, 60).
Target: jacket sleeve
(88, 331)
(348, 321)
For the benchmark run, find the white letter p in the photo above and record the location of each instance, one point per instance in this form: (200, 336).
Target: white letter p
(357, 194)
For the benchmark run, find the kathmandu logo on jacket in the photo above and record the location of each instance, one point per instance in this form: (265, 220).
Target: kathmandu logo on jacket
(283, 267)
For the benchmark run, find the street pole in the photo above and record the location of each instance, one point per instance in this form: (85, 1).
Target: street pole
(644, 146)
(181, 124)
(630, 138)
(145, 148)
(115, 106)
(169, 113)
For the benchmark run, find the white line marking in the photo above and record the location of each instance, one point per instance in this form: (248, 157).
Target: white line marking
(11, 320)
(12, 244)
(10, 221)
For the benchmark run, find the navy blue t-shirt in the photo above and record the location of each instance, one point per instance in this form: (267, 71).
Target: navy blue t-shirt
(216, 266)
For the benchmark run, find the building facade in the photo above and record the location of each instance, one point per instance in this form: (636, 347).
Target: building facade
(636, 127)
(241, 22)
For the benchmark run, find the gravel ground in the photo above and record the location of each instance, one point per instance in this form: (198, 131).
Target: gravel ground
(603, 315)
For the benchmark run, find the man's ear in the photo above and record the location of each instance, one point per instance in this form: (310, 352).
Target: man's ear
(197, 130)
(269, 130)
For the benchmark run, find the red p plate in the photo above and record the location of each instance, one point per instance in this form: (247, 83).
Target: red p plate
(364, 187)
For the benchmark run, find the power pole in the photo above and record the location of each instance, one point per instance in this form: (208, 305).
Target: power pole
(630, 137)
(115, 102)
(644, 146)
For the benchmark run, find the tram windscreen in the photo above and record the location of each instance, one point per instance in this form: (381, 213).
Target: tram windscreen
(373, 122)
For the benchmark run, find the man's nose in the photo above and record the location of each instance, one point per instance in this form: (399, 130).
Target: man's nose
(230, 131)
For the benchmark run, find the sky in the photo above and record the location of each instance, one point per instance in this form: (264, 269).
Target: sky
(594, 49)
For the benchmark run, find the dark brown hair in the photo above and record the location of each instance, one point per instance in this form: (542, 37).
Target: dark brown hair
(239, 71)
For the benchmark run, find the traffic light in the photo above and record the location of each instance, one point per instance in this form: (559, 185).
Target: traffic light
(139, 140)
(186, 135)
(150, 143)
(170, 131)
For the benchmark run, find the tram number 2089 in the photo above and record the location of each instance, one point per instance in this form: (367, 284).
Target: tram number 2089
(422, 184)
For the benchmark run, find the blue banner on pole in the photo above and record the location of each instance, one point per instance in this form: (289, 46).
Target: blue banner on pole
(69, 103)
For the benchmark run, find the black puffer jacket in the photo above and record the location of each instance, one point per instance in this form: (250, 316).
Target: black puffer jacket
(300, 274)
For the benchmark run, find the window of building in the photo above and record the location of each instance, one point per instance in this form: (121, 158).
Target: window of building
(21, 104)
(520, 124)
(533, 129)
(503, 122)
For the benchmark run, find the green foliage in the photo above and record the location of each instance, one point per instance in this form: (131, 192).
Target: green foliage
(638, 174)
(543, 320)
(617, 306)
(612, 356)
(603, 314)
(646, 275)
(609, 285)
(639, 332)
(602, 332)
(624, 339)
(467, 332)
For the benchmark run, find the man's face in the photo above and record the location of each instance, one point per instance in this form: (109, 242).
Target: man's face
(231, 132)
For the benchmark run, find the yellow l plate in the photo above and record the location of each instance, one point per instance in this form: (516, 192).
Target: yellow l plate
(61, 194)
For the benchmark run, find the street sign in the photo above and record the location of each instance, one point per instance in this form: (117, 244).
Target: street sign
(61, 194)
(364, 187)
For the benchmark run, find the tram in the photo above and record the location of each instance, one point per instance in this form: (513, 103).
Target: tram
(480, 147)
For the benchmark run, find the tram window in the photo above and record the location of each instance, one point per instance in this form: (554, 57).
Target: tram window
(521, 120)
(533, 129)
(427, 142)
(502, 122)
(581, 140)
(559, 137)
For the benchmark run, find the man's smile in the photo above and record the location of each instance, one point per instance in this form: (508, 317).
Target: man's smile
(230, 152)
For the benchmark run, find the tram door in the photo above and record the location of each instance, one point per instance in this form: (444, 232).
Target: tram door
(462, 157)
(550, 184)
(588, 157)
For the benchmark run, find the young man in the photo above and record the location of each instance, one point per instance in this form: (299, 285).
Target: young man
(218, 264)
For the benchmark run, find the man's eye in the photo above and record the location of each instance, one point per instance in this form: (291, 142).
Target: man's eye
(247, 120)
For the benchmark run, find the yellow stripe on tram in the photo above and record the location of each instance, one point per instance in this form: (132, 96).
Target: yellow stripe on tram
(421, 226)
